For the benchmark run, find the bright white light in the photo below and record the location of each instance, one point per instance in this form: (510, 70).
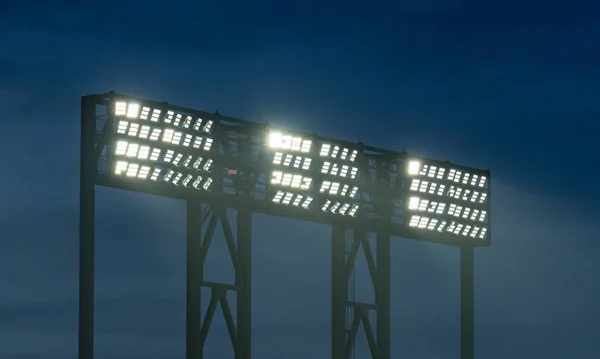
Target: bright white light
(187, 161)
(414, 167)
(287, 198)
(169, 117)
(155, 174)
(176, 138)
(177, 178)
(177, 159)
(198, 124)
(144, 132)
(132, 150)
(120, 108)
(168, 175)
(133, 110)
(145, 113)
(144, 172)
(427, 187)
(133, 129)
(169, 156)
(155, 154)
(289, 160)
(432, 171)
(120, 167)
(413, 203)
(296, 200)
(291, 180)
(207, 165)
(333, 188)
(208, 144)
(121, 148)
(132, 170)
(340, 208)
(168, 135)
(177, 120)
(155, 115)
(207, 127)
(186, 181)
(122, 129)
(197, 183)
(341, 153)
(197, 142)
(155, 134)
(207, 184)
(335, 169)
(187, 141)
(277, 140)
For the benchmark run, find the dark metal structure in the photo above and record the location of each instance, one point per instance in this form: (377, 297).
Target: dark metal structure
(227, 163)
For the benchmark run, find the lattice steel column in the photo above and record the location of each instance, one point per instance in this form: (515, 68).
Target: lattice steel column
(240, 252)
(378, 339)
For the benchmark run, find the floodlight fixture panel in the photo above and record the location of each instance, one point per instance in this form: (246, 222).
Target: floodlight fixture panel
(292, 177)
(447, 198)
(309, 173)
(161, 145)
(339, 187)
(160, 148)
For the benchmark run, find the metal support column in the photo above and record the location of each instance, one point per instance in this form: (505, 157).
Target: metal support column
(339, 292)
(382, 296)
(88, 169)
(243, 277)
(194, 276)
(467, 303)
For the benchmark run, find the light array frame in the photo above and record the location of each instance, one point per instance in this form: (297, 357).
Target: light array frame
(382, 201)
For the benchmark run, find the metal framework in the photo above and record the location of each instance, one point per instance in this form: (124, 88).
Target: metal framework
(238, 151)
(198, 244)
(347, 314)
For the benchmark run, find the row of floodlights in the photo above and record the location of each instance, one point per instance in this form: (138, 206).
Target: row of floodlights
(277, 140)
(415, 168)
(136, 112)
(473, 187)
(453, 227)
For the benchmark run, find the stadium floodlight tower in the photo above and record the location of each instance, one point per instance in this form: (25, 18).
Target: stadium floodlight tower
(214, 162)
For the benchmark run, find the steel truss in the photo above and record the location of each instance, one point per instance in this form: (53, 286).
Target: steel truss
(198, 244)
(345, 327)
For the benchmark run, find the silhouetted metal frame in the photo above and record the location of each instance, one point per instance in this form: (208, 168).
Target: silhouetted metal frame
(94, 142)
(240, 253)
(343, 263)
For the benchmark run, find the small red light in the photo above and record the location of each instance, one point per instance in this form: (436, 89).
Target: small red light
(233, 172)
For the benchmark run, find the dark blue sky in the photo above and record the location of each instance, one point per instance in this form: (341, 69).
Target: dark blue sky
(512, 86)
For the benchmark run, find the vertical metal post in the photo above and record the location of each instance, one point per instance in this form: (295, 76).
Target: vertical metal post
(194, 274)
(243, 278)
(88, 170)
(339, 292)
(467, 303)
(382, 296)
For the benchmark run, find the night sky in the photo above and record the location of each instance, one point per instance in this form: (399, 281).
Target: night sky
(512, 86)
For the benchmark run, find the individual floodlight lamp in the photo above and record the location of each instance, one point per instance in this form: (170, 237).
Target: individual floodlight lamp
(447, 198)
(162, 145)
